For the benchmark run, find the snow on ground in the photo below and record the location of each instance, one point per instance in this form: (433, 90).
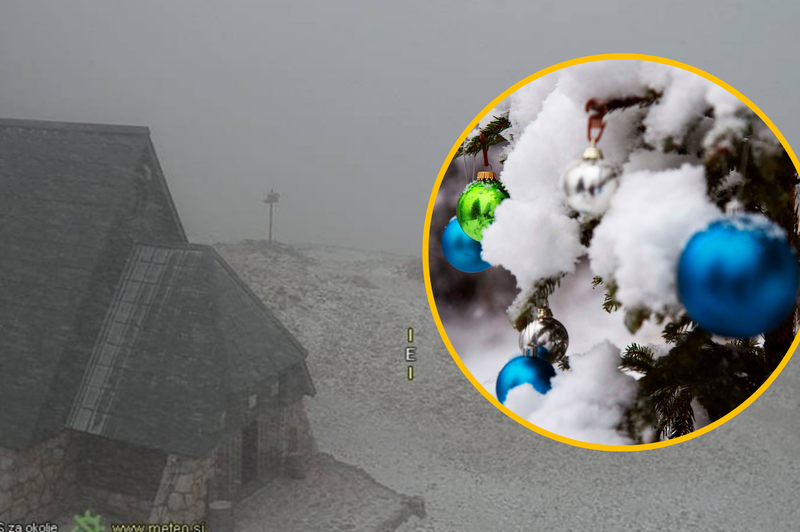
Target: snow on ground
(334, 497)
(477, 469)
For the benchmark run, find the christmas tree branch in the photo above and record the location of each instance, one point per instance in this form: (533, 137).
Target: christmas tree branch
(674, 330)
(587, 231)
(676, 413)
(640, 419)
(650, 97)
(492, 131)
(719, 377)
(635, 318)
(769, 187)
(638, 358)
(535, 297)
(778, 342)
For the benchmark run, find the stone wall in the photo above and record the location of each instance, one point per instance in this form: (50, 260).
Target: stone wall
(182, 496)
(111, 503)
(39, 483)
(110, 487)
(29, 481)
(285, 441)
(299, 444)
(285, 444)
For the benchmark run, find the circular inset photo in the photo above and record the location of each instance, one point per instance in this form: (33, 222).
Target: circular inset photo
(610, 252)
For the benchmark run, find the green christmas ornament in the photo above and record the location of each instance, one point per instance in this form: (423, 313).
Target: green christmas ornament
(475, 210)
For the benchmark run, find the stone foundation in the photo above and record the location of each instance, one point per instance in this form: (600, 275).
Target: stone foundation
(182, 495)
(306, 445)
(29, 481)
(60, 475)
(300, 445)
(285, 444)
(97, 476)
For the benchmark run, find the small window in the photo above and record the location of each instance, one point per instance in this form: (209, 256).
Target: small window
(252, 401)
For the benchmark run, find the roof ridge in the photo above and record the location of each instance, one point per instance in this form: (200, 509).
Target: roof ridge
(87, 127)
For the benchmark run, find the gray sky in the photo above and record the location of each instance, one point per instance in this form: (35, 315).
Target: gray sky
(347, 108)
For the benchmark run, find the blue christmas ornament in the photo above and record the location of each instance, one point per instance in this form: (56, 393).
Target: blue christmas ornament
(739, 277)
(524, 370)
(461, 251)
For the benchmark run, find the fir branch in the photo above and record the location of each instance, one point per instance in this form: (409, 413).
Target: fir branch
(675, 329)
(768, 187)
(638, 358)
(535, 297)
(745, 343)
(769, 174)
(639, 419)
(635, 318)
(492, 131)
(676, 413)
(587, 231)
(670, 145)
(651, 96)
(563, 364)
(719, 377)
(610, 304)
(596, 281)
(663, 401)
(685, 145)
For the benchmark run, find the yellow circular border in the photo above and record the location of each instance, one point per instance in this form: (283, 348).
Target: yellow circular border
(426, 262)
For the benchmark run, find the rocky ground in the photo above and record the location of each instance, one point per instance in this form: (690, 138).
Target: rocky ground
(438, 438)
(334, 497)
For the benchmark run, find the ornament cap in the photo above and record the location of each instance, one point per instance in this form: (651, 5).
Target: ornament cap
(487, 176)
(592, 153)
(544, 312)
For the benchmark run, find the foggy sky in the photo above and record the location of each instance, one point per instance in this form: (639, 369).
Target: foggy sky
(347, 108)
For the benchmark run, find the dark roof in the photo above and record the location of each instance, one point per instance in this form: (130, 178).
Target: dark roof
(75, 199)
(181, 333)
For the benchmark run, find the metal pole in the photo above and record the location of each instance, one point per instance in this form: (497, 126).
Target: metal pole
(272, 199)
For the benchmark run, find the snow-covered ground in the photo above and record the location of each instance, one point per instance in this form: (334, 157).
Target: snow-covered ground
(334, 497)
(477, 469)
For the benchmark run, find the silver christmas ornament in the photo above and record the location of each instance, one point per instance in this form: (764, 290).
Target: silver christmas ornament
(544, 337)
(590, 183)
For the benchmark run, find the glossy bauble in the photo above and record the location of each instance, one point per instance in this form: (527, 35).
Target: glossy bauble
(739, 277)
(461, 251)
(475, 210)
(590, 183)
(544, 337)
(524, 370)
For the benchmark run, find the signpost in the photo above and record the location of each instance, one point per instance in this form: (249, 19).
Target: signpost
(272, 199)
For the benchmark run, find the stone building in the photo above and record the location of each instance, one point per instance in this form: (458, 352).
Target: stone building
(140, 378)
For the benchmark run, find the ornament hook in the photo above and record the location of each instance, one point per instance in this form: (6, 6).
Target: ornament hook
(490, 175)
(599, 109)
(485, 151)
